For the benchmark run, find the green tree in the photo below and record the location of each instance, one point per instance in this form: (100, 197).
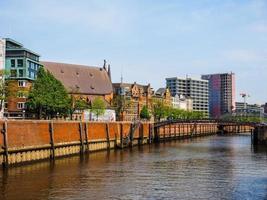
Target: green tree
(48, 97)
(144, 114)
(3, 91)
(98, 107)
(160, 110)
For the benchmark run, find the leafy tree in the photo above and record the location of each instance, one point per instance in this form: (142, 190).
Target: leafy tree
(98, 107)
(160, 110)
(48, 97)
(3, 91)
(144, 114)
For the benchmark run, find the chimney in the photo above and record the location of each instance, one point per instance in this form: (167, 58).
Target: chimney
(109, 72)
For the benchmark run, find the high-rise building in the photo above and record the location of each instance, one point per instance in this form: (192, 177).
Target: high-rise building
(197, 89)
(221, 93)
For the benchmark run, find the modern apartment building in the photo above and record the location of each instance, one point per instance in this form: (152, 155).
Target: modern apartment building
(221, 93)
(196, 89)
(21, 65)
(248, 109)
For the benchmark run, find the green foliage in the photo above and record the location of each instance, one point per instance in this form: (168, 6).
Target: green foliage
(144, 114)
(160, 110)
(253, 119)
(176, 114)
(98, 107)
(48, 97)
(3, 88)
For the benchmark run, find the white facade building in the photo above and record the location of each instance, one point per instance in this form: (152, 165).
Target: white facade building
(182, 102)
(197, 89)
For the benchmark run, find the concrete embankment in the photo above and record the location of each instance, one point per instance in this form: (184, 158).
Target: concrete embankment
(27, 141)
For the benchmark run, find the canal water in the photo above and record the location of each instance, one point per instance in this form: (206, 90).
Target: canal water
(213, 167)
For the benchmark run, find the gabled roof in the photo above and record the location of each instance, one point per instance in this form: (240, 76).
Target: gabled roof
(81, 79)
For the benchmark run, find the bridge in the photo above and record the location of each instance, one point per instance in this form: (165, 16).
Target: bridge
(172, 129)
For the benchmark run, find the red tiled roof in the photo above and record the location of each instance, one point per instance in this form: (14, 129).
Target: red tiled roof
(80, 78)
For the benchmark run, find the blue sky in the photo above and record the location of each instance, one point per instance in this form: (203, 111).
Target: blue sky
(148, 40)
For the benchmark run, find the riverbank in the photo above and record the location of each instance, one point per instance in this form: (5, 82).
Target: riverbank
(28, 141)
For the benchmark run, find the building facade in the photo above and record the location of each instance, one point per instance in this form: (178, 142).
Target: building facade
(83, 82)
(21, 66)
(196, 89)
(265, 108)
(248, 109)
(136, 97)
(182, 102)
(221, 93)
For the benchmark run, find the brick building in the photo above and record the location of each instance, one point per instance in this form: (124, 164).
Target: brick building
(136, 96)
(83, 82)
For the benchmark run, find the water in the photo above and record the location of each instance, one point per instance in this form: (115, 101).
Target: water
(205, 168)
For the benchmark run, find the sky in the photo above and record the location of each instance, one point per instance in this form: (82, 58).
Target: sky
(148, 40)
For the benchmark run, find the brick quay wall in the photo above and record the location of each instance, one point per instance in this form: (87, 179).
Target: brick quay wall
(27, 141)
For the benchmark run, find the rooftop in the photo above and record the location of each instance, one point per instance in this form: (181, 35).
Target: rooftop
(81, 79)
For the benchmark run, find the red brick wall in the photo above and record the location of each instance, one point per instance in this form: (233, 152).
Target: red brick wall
(36, 133)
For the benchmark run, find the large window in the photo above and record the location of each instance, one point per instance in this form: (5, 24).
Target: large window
(13, 62)
(21, 73)
(20, 63)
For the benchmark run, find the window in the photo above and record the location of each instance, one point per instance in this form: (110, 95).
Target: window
(13, 73)
(20, 105)
(21, 73)
(20, 63)
(22, 83)
(13, 63)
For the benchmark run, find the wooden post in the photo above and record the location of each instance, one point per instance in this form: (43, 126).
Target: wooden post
(179, 129)
(175, 131)
(164, 136)
(141, 133)
(131, 135)
(5, 147)
(81, 137)
(170, 130)
(52, 148)
(108, 136)
(86, 137)
(121, 135)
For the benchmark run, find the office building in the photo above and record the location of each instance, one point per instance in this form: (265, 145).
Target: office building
(221, 93)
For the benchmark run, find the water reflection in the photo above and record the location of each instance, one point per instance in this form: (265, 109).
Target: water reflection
(203, 168)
